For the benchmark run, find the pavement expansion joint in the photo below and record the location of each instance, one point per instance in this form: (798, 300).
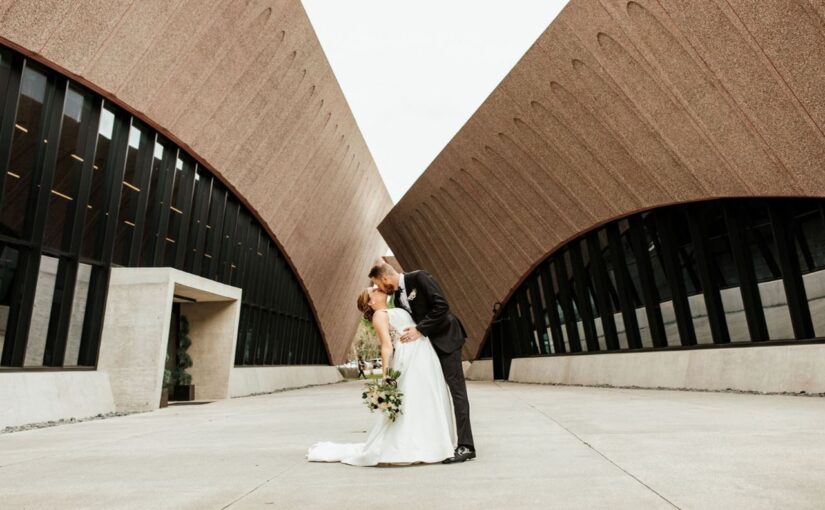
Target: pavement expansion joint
(596, 450)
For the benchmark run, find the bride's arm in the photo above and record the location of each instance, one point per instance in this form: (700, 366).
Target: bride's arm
(381, 323)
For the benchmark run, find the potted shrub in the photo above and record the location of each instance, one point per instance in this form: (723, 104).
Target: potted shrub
(167, 379)
(184, 389)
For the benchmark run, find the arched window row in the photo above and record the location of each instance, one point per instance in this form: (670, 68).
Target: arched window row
(720, 272)
(86, 186)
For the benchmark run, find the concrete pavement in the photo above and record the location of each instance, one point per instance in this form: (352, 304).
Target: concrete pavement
(539, 446)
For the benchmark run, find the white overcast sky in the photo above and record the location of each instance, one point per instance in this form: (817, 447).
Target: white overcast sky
(413, 72)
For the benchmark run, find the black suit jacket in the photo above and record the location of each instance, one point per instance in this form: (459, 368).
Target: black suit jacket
(431, 312)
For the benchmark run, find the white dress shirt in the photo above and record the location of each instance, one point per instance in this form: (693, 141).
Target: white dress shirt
(404, 302)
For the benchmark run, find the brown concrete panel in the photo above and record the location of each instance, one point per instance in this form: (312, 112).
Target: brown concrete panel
(246, 87)
(619, 106)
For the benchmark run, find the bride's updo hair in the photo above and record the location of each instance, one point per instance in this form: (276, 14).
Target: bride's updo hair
(364, 304)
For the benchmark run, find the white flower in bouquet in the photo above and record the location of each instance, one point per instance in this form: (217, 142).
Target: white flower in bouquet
(384, 395)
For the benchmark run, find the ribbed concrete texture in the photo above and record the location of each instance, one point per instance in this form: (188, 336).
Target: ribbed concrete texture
(539, 447)
(246, 86)
(619, 106)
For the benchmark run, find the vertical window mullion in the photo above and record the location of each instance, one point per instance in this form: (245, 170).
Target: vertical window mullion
(60, 315)
(115, 169)
(566, 301)
(144, 172)
(61, 312)
(591, 335)
(795, 294)
(748, 287)
(9, 116)
(162, 208)
(200, 217)
(217, 231)
(602, 283)
(186, 198)
(20, 311)
(550, 299)
(650, 295)
(45, 160)
(93, 322)
(710, 285)
(538, 313)
(678, 292)
(624, 287)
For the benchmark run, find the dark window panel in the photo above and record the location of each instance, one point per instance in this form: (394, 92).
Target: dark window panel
(197, 227)
(180, 211)
(79, 112)
(29, 138)
(135, 184)
(783, 227)
(157, 211)
(99, 188)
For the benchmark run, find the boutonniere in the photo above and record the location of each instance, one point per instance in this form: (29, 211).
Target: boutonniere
(411, 296)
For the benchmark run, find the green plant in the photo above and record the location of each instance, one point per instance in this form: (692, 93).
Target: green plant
(167, 374)
(365, 343)
(184, 361)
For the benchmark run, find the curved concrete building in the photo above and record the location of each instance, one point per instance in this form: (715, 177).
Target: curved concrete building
(619, 107)
(245, 87)
(174, 159)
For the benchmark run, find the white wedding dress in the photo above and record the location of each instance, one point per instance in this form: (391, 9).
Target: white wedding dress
(425, 429)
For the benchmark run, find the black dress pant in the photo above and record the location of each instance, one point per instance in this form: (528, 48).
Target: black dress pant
(454, 375)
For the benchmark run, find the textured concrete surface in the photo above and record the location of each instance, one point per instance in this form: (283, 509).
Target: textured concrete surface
(252, 380)
(135, 336)
(619, 106)
(33, 397)
(480, 370)
(540, 447)
(773, 369)
(246, 87)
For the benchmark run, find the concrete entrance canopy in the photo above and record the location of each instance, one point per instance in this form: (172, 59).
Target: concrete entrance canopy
(136, 333)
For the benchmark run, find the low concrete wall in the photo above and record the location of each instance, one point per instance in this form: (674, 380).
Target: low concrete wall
(769, 369)
(245, 381)
(29, 397)
(479, 370)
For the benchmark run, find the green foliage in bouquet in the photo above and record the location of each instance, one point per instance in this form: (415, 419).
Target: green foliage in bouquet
(383, 395)
(183, 360)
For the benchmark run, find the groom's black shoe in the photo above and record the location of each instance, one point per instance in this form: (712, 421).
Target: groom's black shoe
(461, 454)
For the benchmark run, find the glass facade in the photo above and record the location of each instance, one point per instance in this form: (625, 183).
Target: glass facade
(84, 187)
(714, 273)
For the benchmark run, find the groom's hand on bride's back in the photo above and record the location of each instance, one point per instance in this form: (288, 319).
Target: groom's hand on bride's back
(410, 335)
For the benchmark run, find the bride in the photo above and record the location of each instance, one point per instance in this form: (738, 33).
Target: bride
(425, 430)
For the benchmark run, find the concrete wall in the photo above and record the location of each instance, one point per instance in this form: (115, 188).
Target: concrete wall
(245, 381)
(479, 370)
(210, 325)
(769, 369)
(617, 107)
(32, 397)
(136, 333)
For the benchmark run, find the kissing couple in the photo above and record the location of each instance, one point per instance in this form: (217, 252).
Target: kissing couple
(422, 339)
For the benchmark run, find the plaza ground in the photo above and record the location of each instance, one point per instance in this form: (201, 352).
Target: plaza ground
(539, 447)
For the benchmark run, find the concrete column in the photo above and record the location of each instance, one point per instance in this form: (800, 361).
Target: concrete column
(213, 329)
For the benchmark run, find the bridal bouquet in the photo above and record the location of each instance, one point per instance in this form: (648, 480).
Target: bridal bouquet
(383, 395)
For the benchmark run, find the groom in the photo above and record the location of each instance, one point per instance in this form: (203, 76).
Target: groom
(419, 294)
